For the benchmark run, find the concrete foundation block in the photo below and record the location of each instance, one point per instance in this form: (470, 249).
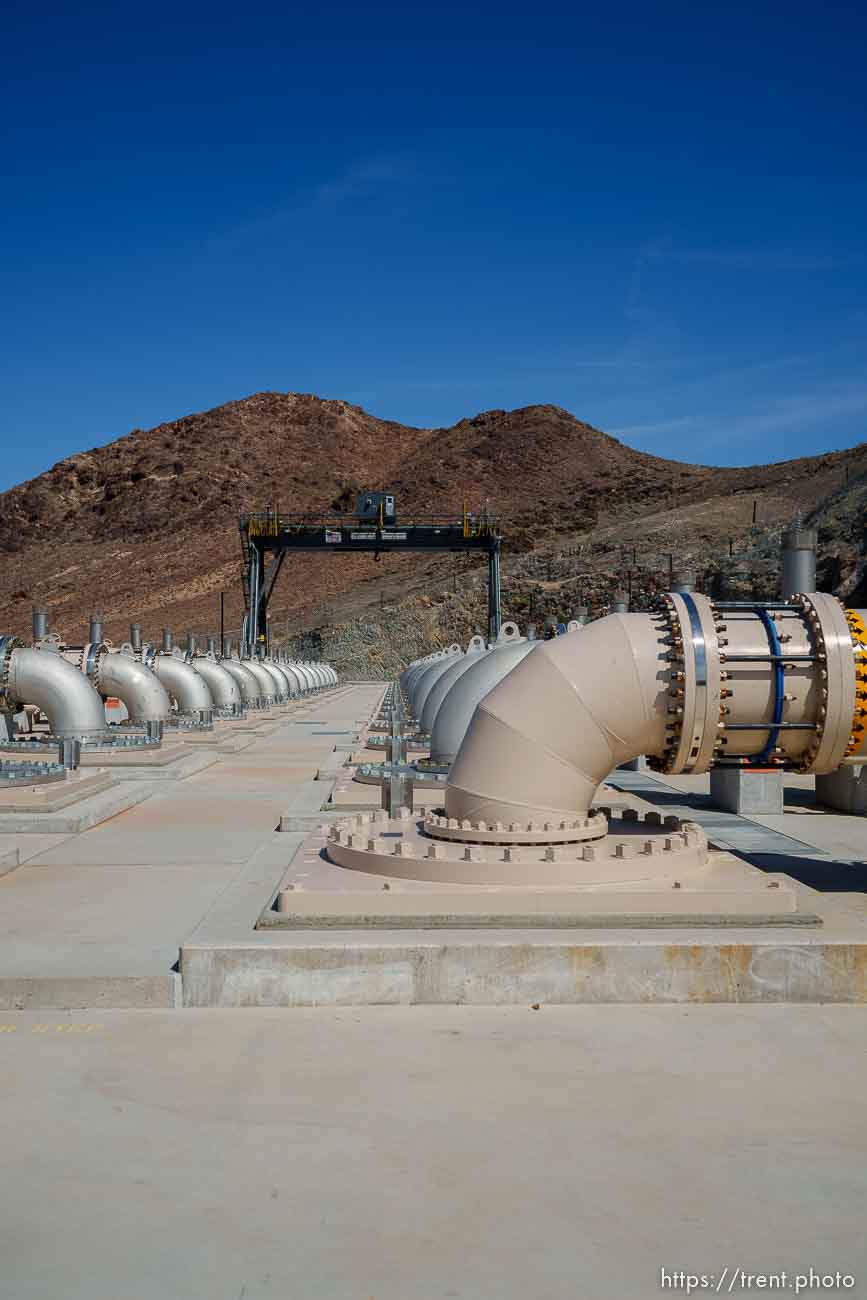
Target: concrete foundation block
(845, 790)
(739, 790)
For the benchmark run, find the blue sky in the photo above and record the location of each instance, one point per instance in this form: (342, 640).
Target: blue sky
(651, 214)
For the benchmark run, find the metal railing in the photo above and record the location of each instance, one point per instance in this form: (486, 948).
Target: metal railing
(271, 523)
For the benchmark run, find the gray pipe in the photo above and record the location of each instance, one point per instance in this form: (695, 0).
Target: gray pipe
(280, 689)
(40, 623)
(135, 636)
(191, 643)
(97, 629)
(189, 691)
(313, 669)
(685, 581)
(168, 640)
(267, 686)
(799, 561)
(221, 684)
(142, 692)
(297, 685)
(619, 603)
(309, 680)
(287, 683)
(64, 694)
(212, 646)
(246, 682)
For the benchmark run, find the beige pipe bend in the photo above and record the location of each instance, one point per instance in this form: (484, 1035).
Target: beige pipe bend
(543, 740)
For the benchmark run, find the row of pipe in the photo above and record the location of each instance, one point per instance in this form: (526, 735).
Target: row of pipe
(531, 728)
(70, 683)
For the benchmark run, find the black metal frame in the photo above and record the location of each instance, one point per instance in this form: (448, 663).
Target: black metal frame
(276, 534)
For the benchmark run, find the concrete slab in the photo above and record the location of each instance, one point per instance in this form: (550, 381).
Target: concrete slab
(134, 847)
(54, 795)
(819, 849)
(80, 814)
(612, 1142)
(29, 846)
(170, 762)
(316, 893)
(10, 860)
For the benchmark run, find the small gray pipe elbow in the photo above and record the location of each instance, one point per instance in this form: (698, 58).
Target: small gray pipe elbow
(189, 691)
(144, 695)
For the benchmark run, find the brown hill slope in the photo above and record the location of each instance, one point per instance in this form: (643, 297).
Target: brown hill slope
(147, 526)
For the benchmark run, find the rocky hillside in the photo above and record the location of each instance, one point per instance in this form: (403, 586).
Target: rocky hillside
(146, 527)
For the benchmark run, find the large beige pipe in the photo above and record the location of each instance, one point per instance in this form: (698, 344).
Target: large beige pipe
(425, 682)
(543, 740)
(690, 686)
(456, 711)
(439, 691)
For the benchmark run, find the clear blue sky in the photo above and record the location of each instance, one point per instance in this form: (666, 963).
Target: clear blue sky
(652, 214)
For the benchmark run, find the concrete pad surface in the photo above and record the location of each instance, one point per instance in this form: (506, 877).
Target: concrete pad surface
(95, 920)
(150, 848)
(409, 1154)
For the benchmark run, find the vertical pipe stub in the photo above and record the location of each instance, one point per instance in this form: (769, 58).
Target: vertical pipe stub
(168, 640)
(212, 646)
(683, 580)
(397, 792)
(227, 647)
(191, 643)
(40, 623)
(69, 753)
(97, 630)
(135, 636)
(582, 615)
(798, 561)
(619, 603)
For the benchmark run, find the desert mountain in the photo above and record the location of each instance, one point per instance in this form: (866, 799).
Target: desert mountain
(146, 527)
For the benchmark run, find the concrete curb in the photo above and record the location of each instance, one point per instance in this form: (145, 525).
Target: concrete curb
(88, 992)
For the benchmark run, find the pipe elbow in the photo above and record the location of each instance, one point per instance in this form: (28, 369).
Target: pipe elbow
(65, 696)
(189, 691)
(144, 695)
(243, 678)
(267, 692)
(222, 685)
(280, 689)
(541, 742)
